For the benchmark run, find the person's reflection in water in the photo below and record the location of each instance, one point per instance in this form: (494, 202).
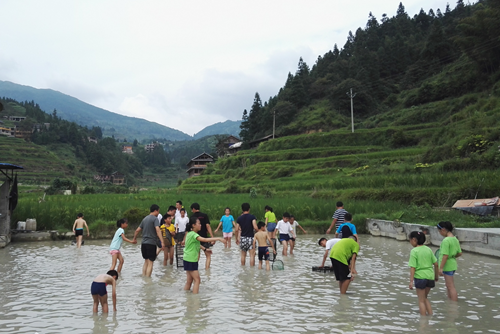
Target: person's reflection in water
(195, 320)
(103, 323)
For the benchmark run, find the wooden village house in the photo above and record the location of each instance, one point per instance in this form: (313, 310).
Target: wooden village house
(198, 164)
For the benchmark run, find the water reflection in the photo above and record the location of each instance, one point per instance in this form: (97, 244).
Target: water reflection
(46, 290)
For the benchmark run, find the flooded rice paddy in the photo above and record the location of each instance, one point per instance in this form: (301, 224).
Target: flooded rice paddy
(46, 289)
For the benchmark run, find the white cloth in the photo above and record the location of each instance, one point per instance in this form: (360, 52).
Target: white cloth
(294, 228)
(160, 218)
(180, 223)
(283, 227)
(331, 242)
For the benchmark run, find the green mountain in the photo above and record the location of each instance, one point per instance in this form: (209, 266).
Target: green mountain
(72, 109)
(426, 117)
(227, 127)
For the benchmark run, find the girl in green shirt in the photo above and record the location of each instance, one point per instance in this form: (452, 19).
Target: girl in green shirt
(423, 270)
(448, 252)
(192, 253)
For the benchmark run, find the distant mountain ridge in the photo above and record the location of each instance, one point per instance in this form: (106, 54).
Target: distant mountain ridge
(72, 109)
(228, 128)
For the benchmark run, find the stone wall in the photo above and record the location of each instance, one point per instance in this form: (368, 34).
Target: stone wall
(477, 240)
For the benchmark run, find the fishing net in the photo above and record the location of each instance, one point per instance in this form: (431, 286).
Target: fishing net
(278, 265)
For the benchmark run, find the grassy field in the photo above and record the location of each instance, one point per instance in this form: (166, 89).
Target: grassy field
(59, 212)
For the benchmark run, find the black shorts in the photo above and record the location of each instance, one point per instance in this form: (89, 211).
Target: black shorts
(423, 283)
(78, 231)
(207, 245)
(148, 252)
(342, 272)
(292, 239)
(263, 253)
(190, 266)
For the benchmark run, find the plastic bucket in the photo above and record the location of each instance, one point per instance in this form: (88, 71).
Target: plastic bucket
(21, 225)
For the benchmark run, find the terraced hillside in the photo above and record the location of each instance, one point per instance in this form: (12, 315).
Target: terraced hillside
(435, 163)
(40, 165)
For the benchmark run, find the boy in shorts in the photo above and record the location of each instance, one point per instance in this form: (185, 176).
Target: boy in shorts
(78, 229)
(99, 292)
(285, 230)
(262, 237)
(246, 225)
(328, 244)
(343, 257)
(151, 233)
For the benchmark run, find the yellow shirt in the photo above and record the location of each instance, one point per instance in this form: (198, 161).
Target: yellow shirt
(170, 228)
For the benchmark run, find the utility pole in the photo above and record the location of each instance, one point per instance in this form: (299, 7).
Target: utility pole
(274, 121)
(352, 109)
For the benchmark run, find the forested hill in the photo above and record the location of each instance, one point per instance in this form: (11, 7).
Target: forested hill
(392, 65)
(84, 114)
(227, 127)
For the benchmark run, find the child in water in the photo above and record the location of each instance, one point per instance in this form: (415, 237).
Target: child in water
(270, 222)
(263, 239)
(192, 253)
(422, 275)
(448, 253)
(99, 292)
(116, 244)
(227, 222)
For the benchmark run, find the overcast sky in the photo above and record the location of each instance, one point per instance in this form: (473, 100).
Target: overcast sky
(184, 64)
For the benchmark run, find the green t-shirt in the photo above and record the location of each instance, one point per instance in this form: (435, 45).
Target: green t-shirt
(451, 247)
(343, 249)
(422, 259)
(192, 248)
(271, 217)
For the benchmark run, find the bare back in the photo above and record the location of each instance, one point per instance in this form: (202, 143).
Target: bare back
(261, 238)
(80, 223)
(104, 278)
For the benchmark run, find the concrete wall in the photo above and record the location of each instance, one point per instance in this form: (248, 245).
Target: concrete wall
(477, 240)
(4, 214)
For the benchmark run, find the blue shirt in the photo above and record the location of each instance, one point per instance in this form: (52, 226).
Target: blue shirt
(352, 227)
(117, 240)
(227, 223)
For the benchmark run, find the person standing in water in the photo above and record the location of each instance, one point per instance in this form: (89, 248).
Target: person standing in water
(448, 253)
(151, 233)
(78, 229)
(99, 292)
(422, 275)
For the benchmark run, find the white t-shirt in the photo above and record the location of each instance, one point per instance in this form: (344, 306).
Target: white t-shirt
(294, 228)
(283, 227)
(180, 223)
(178, 214)
(331, 242)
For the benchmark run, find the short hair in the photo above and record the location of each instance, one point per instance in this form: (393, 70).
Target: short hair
(292, 216)
(446, 225)
(170, 208)
(195, 206)
(182, 210)
(122, 221)
(339, 204)
(245, 207)
(113, 273)
(348, 217)
(80, 215)
(321, 240)
(154, 208)
(180, 202)
(227, 208)
(286, 215)
(165, 216)
(260, 225)
(420, 236)
(267, 207)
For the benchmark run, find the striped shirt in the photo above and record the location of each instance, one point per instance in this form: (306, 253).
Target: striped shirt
(339, 215)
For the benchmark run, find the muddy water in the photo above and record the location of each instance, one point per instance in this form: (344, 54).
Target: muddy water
(46, 289)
